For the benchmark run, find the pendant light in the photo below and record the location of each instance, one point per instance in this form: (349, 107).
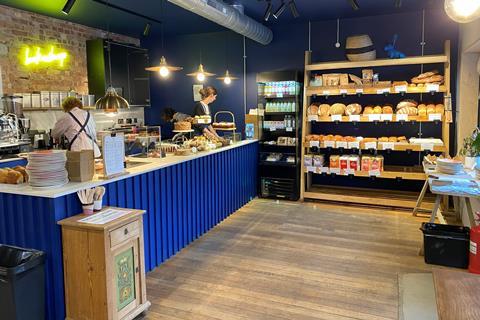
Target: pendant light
(163, 68)
(463, 11)
(200, 74)
(112, 101)
(227, 78)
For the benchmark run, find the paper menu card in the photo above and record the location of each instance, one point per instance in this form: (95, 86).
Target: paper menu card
(113, 154)
(104, 216)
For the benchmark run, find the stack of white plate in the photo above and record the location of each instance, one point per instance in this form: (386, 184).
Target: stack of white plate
(449, 166)
(47, 168)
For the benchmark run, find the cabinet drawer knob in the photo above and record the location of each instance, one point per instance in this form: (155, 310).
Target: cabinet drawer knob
(125, 232)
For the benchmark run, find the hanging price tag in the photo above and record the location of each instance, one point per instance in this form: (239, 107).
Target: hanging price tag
(310, 169)
(388, 145)
(383, 90)
(374, 173)
(314, 143)
(342, 144)
(427, 146)
(313, 118)
(370, 145)
(354, 145)
(359, 90)
(399, 89)
(336, 117)
(433, 87)
(326, 92)
(335, 170)
(324, 169)
(329, 144)
(402, 117)
(374, 117)
(354, 117)
(435, 116)
(348, 171)
(343, 91)
(386, 117)
(289, 129)
(273, 129)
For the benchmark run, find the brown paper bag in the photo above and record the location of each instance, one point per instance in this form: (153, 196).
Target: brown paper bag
(80, 165)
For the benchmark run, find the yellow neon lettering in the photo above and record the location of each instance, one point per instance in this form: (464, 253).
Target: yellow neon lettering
(50, 57)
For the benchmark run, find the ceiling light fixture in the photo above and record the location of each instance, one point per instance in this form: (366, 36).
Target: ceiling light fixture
(293, 9)
(354, 4)
(398, 3)
(280, 10)
(463, 11)
(200, 74)
(68, 6)
(146, 29)
(268, 11)
(163, 68)
(227, 78)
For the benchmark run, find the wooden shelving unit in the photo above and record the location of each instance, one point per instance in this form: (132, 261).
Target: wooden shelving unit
(308, 190)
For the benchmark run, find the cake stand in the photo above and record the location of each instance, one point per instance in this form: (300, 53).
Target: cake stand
(233, 130)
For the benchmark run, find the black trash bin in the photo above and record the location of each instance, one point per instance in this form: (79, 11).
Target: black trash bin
(446, 245)
(22, 283)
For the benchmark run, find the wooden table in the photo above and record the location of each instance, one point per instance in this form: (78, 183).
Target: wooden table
(457, 294)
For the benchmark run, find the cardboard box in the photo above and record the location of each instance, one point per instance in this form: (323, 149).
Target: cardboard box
(80, 165)
(253, 126)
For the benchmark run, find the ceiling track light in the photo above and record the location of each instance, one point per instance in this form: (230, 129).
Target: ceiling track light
(293, 9)
(280, 10)
(68, 6)
(354, 4)
(146, 30)
(398, 3)
(268, 11)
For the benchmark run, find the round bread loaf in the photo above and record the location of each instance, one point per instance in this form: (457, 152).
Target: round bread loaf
(439, 108)
(377, 110)
(411, 111)
(337, 108)
(353, 108)
(406, 103)
(387, 110)
(430, 108)
(324, 110)
(312, 110)
(368, 110)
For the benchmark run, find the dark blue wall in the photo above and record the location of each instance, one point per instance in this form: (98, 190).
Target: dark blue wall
(286, 52)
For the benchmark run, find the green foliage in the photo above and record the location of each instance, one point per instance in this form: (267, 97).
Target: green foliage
(471, 145)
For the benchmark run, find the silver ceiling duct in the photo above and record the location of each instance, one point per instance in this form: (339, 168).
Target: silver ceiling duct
(229, 17)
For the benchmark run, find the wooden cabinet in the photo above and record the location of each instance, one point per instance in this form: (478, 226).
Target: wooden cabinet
(104, 268)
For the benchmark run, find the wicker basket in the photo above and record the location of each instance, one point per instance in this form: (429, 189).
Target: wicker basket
(360, 48)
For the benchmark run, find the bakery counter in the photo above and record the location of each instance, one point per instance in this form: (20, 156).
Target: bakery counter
(184, 197)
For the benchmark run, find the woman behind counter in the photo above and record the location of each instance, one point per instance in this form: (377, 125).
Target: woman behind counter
(77, 126)
(209, 95)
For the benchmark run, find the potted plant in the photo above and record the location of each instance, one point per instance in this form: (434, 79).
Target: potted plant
(471, 150)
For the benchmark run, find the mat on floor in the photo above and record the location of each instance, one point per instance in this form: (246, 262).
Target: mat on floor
(416, 297)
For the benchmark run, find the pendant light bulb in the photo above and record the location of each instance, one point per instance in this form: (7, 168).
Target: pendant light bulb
(463, 11)
(201, 77)
(164, 72)
(227, 80)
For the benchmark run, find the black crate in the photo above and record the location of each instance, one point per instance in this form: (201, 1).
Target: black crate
(446, 245)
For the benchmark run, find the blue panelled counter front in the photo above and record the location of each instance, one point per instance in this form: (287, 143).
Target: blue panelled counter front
(183, 197)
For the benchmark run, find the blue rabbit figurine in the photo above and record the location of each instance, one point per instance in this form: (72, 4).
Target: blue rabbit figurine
(391, 51)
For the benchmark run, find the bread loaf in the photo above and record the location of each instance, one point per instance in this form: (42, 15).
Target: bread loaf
(312, 110)
(439, 108)
(406, 103)
(337, 109)
(353, 108)
(411, 111)
(23, 171)
(324, 110)
(368, 110)
(377, 110)
(387, 110)
(430, 108)
(14, 177)
(3, 175)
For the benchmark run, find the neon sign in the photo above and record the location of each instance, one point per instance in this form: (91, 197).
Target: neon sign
(35, 56)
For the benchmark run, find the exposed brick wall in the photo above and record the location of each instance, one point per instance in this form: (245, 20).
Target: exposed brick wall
(19, 28)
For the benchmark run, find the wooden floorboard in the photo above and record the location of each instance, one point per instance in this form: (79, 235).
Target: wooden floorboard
(291, 260)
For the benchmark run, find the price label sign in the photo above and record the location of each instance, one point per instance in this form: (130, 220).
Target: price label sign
(358, 90)
(324, 169)
(435, 117)
(383, 90)
(336, 117)
(201, 121)
(335, 170)
(354, 117)
(427, 146)
(314, 143)
(388, 145)
(326, 92)
(349, 171)
(374, 173)
(342, 144)
(433, 87)
(343, 91)
(370, 145)
(399, 89)
(354, 145)
(279, 95)
(329, 144)
(273, 129)
(402, 117)
(312, 118)
(374, 117)
(386, 117)
(289, 129)
(310, 169)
